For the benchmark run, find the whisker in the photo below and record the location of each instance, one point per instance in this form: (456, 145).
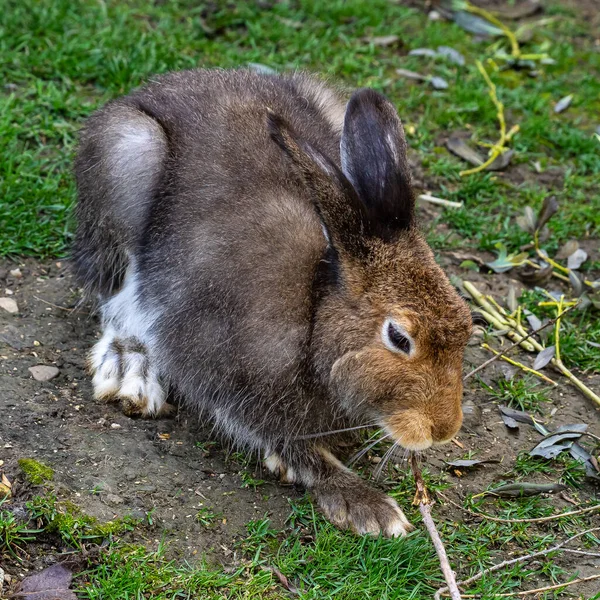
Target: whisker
(356, 457)
(310, 436)
(385, 459)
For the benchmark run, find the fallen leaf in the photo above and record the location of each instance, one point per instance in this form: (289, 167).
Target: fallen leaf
(569, 248)
(50, 584)
(460, 148)
(451, 54)
(522, 417)
(528, 221)
(285, 582)
(5, 492)
(411, 75)
(383, 40)
(576, 259)
(544, 357)
(533, 321)
(563, 104)
(423, 52)
(464, 462)
(477, 25)
(501, 161)
(505, 262)
(510, 422)
(5, 481)
(439, 83)
(514, 12)
(562, 439)
(576, 284)
(549, 208)
(523, 488)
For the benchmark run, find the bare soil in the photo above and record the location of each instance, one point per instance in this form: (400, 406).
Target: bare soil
(112, 466)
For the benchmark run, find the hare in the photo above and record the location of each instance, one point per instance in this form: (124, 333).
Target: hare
(252, 243)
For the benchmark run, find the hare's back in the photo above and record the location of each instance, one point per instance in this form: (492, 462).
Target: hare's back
(234, 241)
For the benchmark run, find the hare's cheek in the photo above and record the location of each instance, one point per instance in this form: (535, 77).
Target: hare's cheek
(349, 381)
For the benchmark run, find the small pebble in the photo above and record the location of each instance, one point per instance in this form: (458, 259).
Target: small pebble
(16, 273)
(43, 372)
(9, 305)
(115, 426)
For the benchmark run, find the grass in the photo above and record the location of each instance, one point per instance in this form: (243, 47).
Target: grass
(64, 58)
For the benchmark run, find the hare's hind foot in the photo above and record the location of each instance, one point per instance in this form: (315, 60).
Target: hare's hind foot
(344, 498)
(122, 370)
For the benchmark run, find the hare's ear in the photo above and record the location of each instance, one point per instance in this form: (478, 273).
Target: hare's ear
(342, 213)
(373, 154)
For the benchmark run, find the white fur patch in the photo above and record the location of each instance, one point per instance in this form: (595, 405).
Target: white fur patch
(126, 371)
(400, 526)
(273, 463)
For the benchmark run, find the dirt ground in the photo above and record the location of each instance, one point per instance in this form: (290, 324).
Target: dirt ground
(113, 466)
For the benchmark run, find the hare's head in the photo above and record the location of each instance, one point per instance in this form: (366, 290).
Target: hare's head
(390, 329)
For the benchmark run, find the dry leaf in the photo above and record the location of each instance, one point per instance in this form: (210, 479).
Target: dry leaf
(569, 248)
(544, 357)
(576, 259)
(50, 584)
(383, 40)
(563, 104)
(423, 52)
(451, 54)
(523, 488)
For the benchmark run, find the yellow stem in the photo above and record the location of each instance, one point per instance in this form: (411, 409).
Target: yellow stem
(499, 147)
(559, 310)
(514, 44)
(520, 365)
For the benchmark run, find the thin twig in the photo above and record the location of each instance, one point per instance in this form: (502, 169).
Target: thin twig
(440, 201)
(514, 345)
(520, 365)
(548, 588)
(424, 501)
(507, 563)
(582, 552)
(53, 305)
(572, 513)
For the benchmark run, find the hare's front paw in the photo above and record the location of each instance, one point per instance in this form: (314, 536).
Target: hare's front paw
(362, 509)
(122, 371)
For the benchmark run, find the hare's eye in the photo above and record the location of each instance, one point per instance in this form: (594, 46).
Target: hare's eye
(395, 337)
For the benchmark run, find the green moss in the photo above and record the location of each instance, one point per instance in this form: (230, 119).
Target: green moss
(72, 524)
(35, 472)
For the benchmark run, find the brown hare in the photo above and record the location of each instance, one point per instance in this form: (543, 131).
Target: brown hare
(252, 242)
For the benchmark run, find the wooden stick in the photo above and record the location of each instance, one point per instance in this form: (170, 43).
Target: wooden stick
(424, 502)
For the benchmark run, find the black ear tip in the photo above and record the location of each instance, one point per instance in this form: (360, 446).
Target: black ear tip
(367, 101)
